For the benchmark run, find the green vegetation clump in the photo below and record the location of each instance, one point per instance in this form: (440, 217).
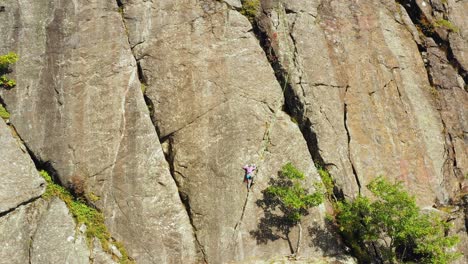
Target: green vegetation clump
(292, 194)
(93, 197)
(392, 227)
(250, 8)
(5, 62)
(84, 214)
(446, 24)
(328, 182)
(294, 199)
(4, 113)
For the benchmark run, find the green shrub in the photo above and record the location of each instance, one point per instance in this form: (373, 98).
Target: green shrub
(294, 199)
(4, 113)
(250, 8)
(83, 214)
(446, 24)
(6, 82)
(93, 197)
(327, 182)
(290, 191)
(393, 227)
(5, 62)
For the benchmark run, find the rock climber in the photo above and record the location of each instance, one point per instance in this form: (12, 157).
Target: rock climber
(249, 170)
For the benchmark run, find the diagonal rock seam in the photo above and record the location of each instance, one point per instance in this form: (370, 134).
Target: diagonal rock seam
(270, 124)
(167, 140)
(39, 164)
(47, 166)
(263, 148)
(169, 155)
(33, 199)
(416, 16)
(293, 107)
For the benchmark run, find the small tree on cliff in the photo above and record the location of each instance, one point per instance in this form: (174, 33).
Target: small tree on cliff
(392, 229)
(294, 199)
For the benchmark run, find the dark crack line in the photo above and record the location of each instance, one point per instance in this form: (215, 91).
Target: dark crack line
(168, 156)
(30, 249)
(239, 223)
(195, 119)
(421, 21)
(184, 198)
(293, 106)
(451, 160)
(399, 95)
(4, 213)
(348, 134)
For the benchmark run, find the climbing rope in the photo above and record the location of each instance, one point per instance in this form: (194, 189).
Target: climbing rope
(268, 128)
(265, 140)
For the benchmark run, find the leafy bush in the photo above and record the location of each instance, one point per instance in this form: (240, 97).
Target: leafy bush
(294, 199)
(292, 194)
(6, 82)
(5, 62)
(4, 113)
(393, 227)
(327, 182)
(250, 8)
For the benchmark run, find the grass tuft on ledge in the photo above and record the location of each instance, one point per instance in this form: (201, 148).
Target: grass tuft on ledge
(84, 214)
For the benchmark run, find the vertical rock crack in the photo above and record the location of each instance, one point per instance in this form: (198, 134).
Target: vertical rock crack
(168, 155)
(348, 135)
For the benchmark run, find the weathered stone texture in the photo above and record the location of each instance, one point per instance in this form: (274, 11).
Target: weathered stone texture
(354, 69)
(370, 92)
(56, 239)
(45, 232)
(218, 106)
(16, 232)
(359, 80)
(459, 39)
(78, 106)
(98, 255)
(19, 179)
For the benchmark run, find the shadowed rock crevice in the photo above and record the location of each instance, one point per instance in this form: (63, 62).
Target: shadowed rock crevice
(293, 106)
(33, 199)
(348, 135)
(427, 28)
(436, 51)
(166, 143)
(37, 164)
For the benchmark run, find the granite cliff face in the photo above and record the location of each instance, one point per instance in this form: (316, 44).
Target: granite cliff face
(153, 107)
